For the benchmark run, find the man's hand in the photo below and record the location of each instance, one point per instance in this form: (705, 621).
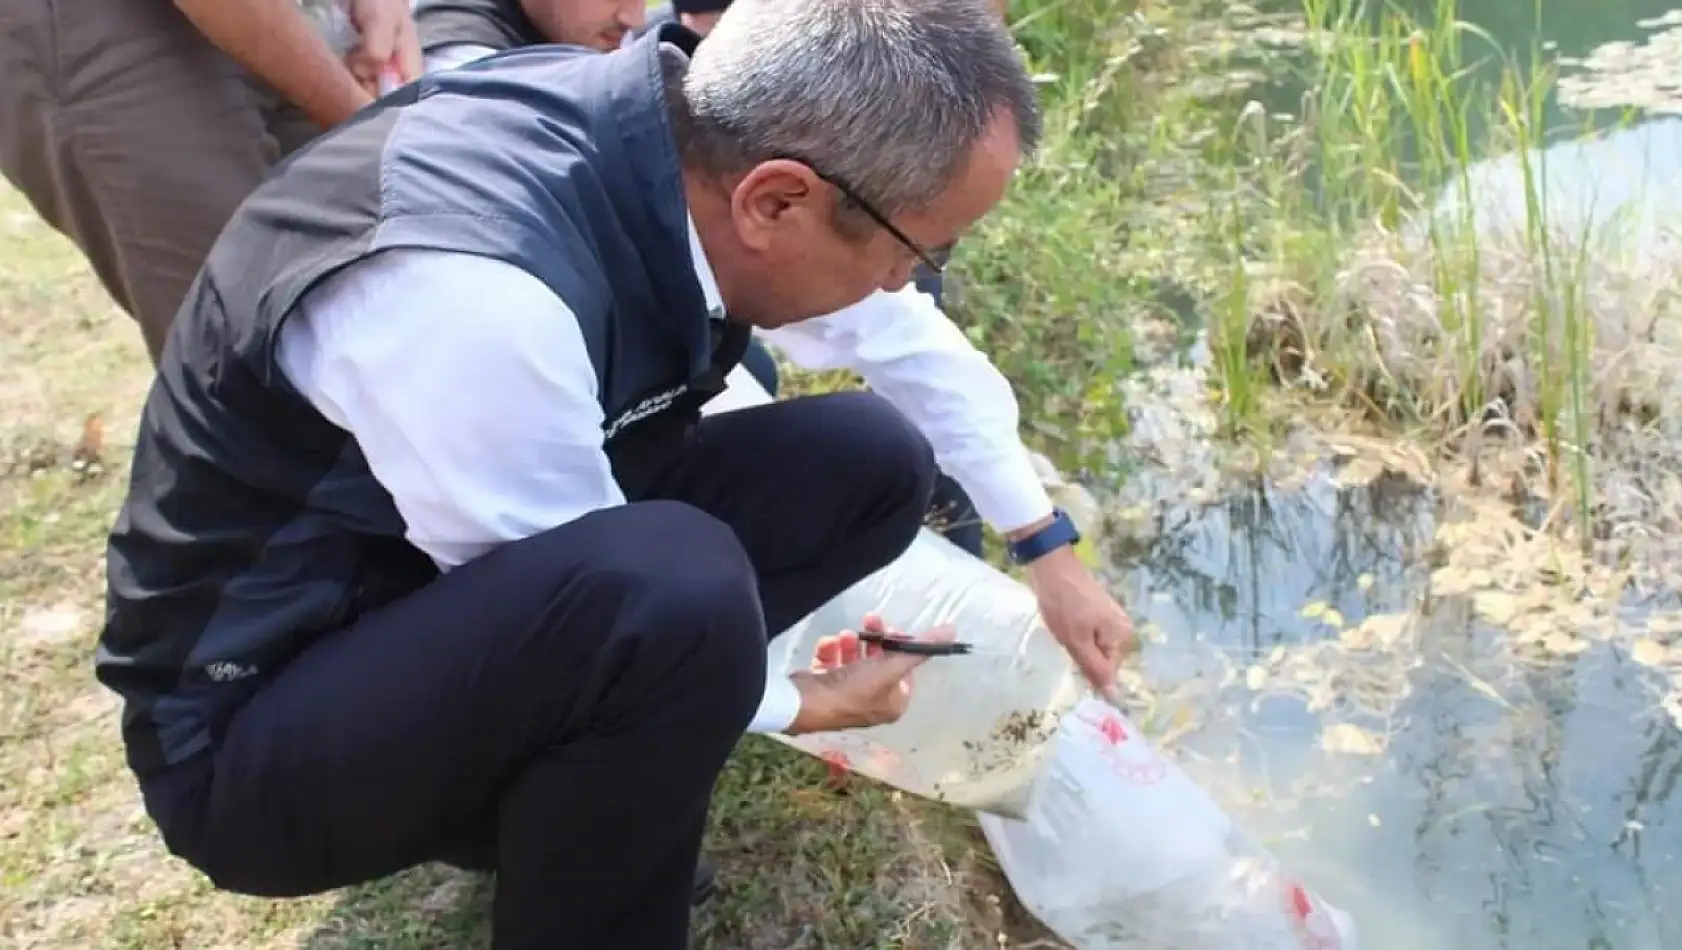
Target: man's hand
(1083, 616)
(852, 684)
(389, 43)
(278, 43)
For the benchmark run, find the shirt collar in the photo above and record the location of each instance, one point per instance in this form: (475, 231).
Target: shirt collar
(704, 272)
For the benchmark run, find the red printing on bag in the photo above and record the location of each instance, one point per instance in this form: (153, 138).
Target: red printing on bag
(1312, 924)
(1133, 762)
(839, 765)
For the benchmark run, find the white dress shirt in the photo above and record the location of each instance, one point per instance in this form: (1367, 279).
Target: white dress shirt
(452, 55)
(385, 350)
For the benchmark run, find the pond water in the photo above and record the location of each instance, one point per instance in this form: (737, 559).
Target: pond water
(1613, 143)
(1570, 29)
(1566, 31)
(1448, 790)
(1612, 166)
(1444, 796)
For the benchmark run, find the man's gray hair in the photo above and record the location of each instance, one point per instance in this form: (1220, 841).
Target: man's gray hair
(887, 96)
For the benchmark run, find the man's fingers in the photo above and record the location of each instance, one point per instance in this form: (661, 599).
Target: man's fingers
(892, 667)
(409, 62)
(827, 653)
(848, 646)
(379, 45)
(1094, 663)
(899, 665)
(379, 25)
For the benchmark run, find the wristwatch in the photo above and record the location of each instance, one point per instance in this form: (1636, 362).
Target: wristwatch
(1060, 532)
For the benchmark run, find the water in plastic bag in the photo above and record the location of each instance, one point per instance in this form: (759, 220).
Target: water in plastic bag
(979, 726)
(1107, 842)
(1121, 850)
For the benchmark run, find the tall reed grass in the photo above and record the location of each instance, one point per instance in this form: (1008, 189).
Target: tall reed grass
(1301, 182)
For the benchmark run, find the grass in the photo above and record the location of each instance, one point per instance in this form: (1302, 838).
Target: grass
(1446, 321)
(1291, 184)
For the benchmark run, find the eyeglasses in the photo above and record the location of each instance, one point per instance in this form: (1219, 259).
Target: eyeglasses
(935, 260)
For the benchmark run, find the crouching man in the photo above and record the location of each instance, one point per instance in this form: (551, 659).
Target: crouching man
(427, 547)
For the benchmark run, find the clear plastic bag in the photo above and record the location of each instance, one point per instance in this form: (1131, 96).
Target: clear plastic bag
(1106, 841)
(978, 726)
(333, 23)
(1121, 850)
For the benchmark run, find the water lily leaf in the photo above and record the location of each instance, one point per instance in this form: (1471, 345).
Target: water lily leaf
(1450, 581)
(1314, 609)
(1346, 738)
(1649, 653)
(1665, 624)
(1564, 644)
(1497, 607)
(1388, 629)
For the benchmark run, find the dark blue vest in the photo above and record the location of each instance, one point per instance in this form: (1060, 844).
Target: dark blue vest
(253, 525)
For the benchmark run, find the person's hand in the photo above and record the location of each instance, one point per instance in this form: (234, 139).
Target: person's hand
(853, 684)
(389, 44)
(1083, 616)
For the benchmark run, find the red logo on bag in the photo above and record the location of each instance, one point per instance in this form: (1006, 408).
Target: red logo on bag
(839, 765)
(1134, 762)
(1312, 924)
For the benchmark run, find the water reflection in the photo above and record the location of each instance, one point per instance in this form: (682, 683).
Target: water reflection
(1511, 807)
(1569, 29)
(1621, 190)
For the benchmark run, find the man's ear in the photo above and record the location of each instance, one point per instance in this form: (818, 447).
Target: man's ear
(777, 201)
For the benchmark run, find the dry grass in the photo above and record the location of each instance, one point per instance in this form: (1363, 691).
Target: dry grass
(1384, 333)
(805, 865)
(1523, 308)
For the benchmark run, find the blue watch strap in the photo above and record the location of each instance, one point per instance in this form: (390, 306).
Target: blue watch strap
(1061, 531)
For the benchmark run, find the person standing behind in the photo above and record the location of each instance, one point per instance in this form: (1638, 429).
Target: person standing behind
(456, 32)
(136, 127)
(699, 15)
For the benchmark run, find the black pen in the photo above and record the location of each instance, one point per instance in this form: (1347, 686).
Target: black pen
(915, 647)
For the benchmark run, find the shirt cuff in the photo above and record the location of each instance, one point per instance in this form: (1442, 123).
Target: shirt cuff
(1008, 493)
(778, 708)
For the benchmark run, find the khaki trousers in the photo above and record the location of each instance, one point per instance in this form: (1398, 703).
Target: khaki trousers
(135, 137)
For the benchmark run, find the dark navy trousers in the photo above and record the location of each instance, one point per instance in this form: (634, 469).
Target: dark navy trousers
(566, 700)
(951, 510)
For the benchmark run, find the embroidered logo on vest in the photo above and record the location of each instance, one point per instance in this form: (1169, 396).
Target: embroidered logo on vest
(652, 405)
